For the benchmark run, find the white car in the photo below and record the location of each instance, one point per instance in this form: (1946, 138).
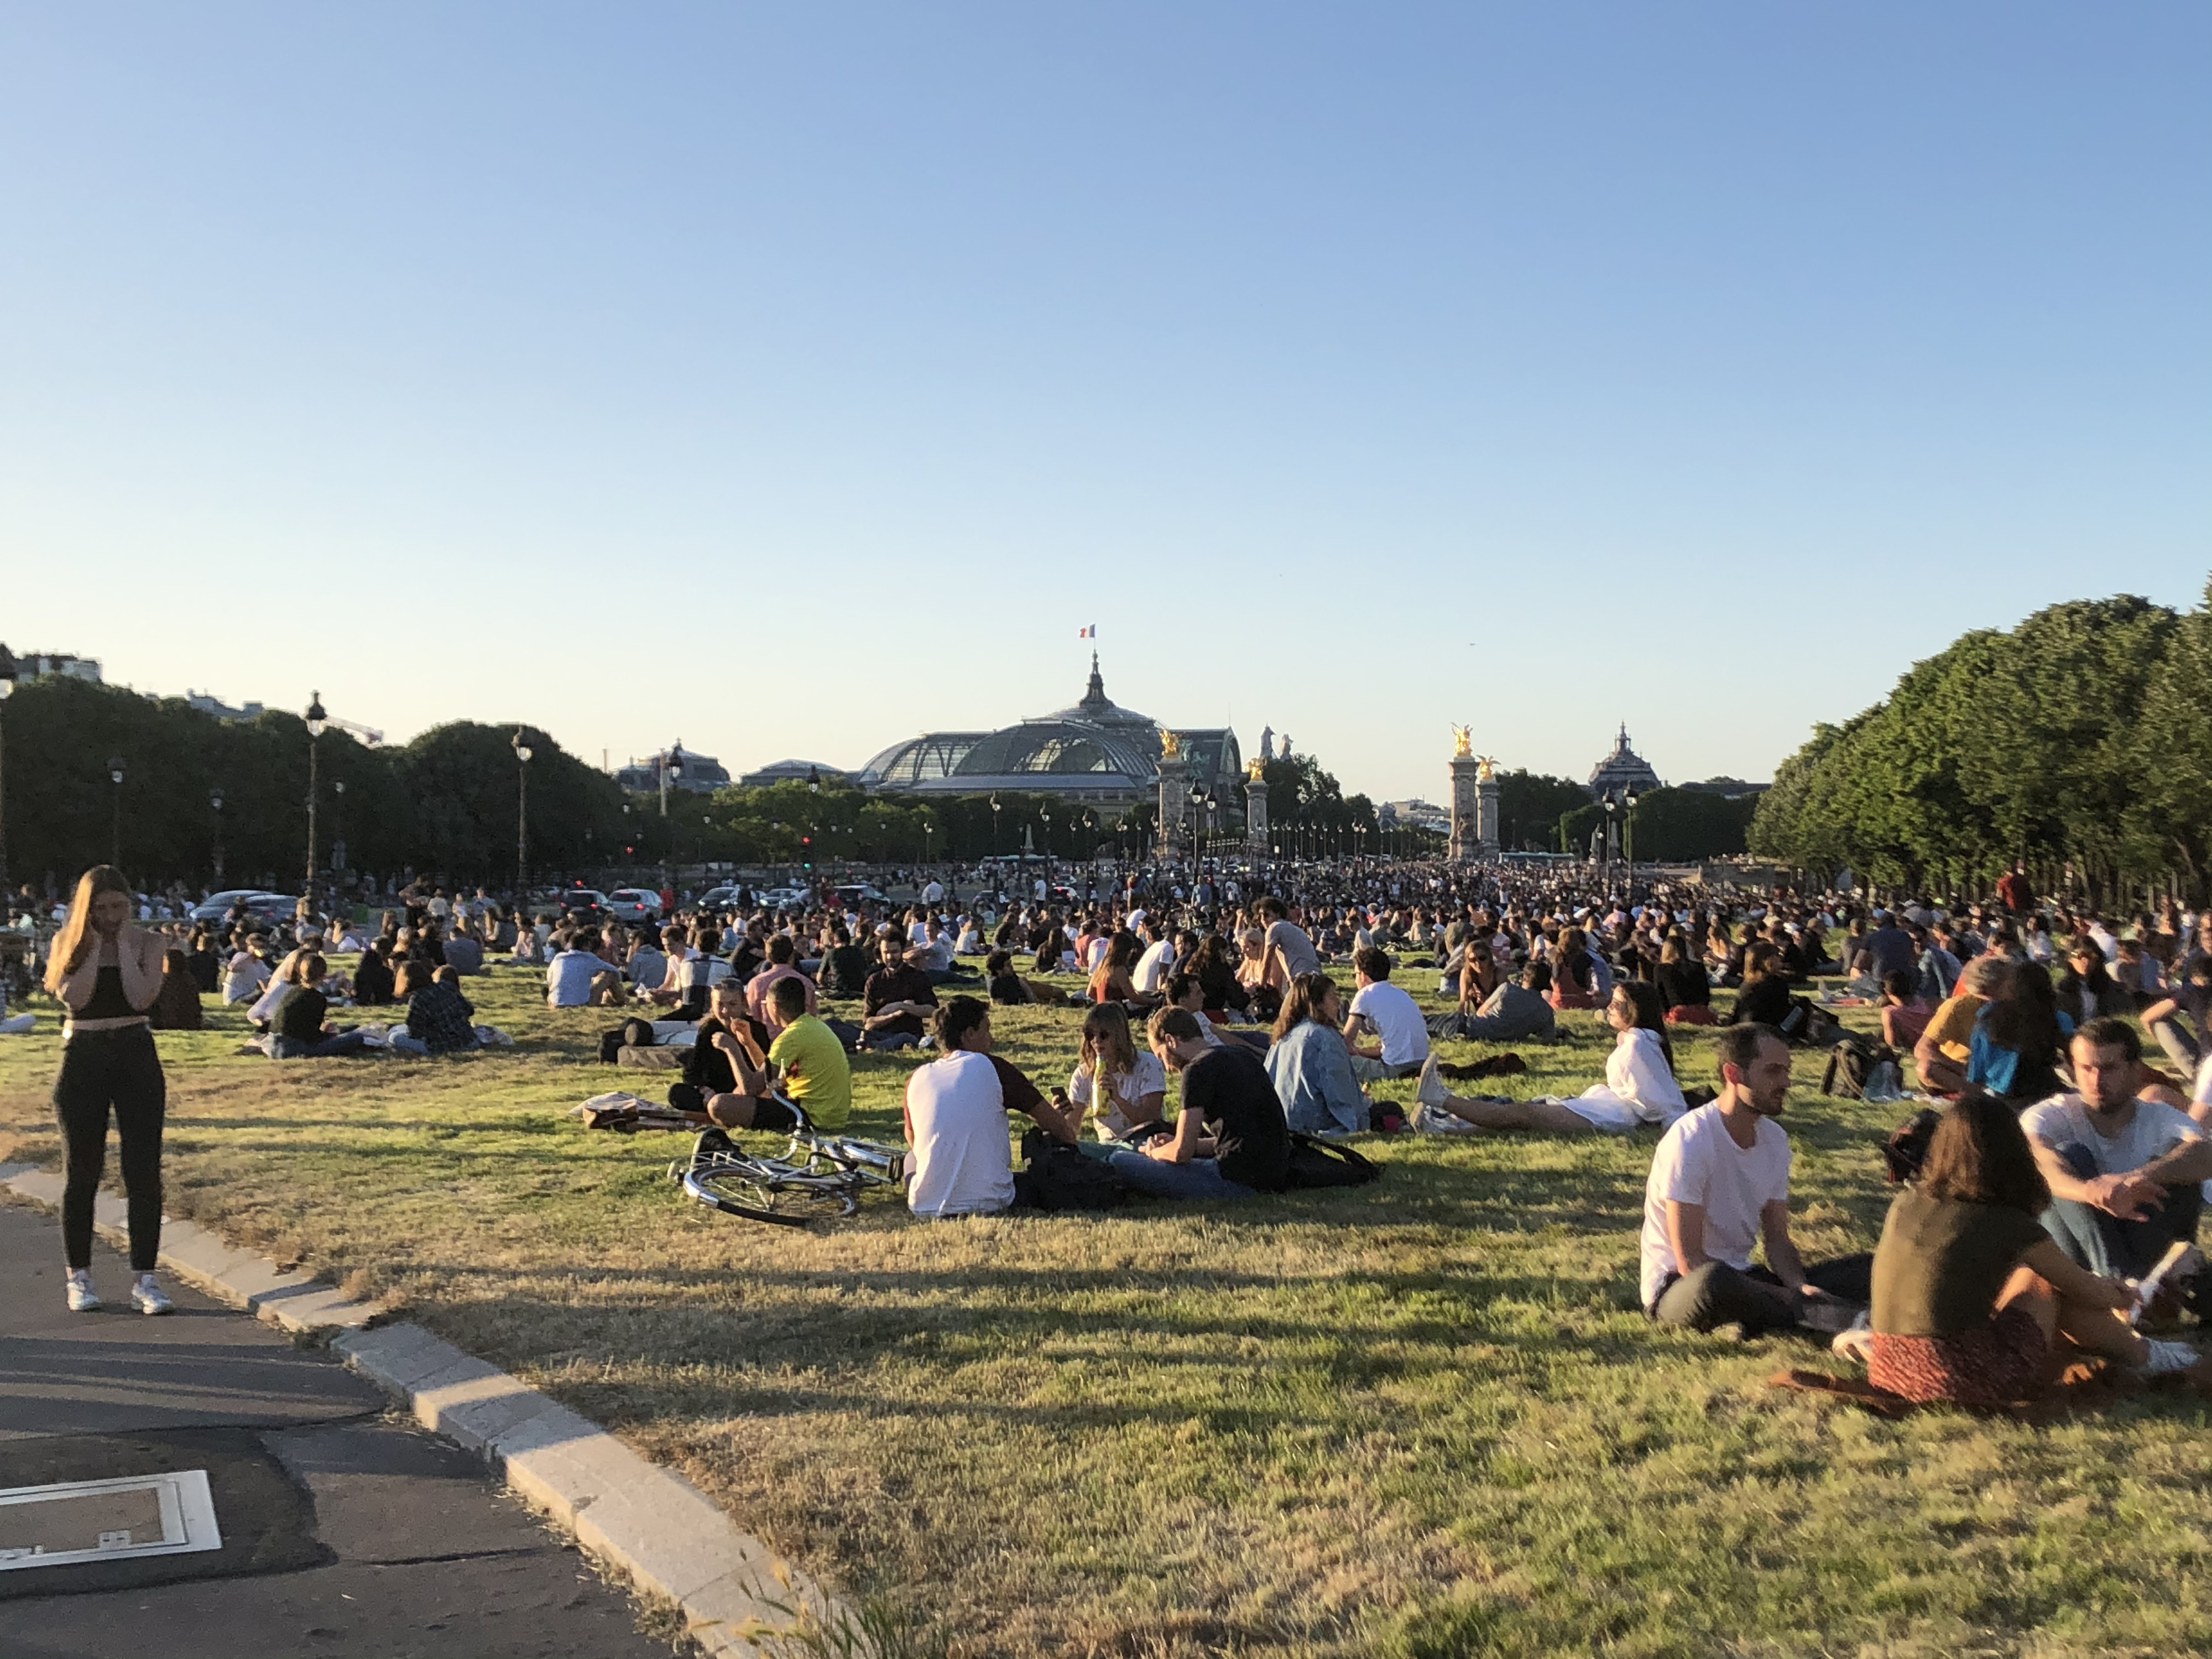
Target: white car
(633, 904)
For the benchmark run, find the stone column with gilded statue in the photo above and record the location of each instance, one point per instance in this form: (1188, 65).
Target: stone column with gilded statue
(1255, 809)
(1174, 770)
(1485, 806)
(1465, 843)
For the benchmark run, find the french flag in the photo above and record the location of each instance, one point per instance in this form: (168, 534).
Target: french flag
(1090, 633)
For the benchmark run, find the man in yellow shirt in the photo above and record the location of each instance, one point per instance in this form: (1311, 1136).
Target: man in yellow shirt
(815, 1072)
(1945, 1046)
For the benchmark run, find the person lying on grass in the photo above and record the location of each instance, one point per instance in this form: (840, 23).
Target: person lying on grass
(1639, 1084)
(1719, 1188)
(1230, 1139)
(734, 1079)
(1513, 1010)
(1972, 1295)
(956, 1110)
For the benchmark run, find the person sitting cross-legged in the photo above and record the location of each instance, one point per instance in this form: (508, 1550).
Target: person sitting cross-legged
(1309, 1065)
(1972, 1295)
(1230, 1138)
(2126, 1174)
(579, 976)
(1384, 1010)
(439, 1018)
(956, 1118)
(1719, 1189)
(896, 999)
(1639, 1084)
(297, 1027)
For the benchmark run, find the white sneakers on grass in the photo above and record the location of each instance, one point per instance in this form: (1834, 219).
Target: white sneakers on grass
(147, 1295)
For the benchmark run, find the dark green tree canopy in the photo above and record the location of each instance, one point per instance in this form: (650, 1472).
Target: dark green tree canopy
(2081, 738)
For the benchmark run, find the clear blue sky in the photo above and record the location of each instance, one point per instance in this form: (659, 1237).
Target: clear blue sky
(793, 379)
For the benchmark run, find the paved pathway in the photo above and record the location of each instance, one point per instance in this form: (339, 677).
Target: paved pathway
(413, 1550)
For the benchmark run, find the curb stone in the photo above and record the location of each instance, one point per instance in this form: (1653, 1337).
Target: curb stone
(736, 1596)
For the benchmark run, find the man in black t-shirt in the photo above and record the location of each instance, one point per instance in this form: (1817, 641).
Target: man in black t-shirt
(1230, 1138)
(897, 996)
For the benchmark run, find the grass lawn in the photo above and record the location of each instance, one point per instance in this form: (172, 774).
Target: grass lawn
(1424, 1416)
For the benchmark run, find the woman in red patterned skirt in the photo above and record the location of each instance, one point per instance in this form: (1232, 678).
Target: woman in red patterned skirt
(1973, 1302)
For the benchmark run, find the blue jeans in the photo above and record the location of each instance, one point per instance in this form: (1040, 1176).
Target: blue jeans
(2105, 1244)
(1199, 1178)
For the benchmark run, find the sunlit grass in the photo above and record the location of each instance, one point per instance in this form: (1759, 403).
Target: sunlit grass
(1423, 1417)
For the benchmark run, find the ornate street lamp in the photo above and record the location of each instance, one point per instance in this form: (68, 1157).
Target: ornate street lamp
(522, 814)
(115, 830)
(337, 829)
(8, 672)
(317, 719)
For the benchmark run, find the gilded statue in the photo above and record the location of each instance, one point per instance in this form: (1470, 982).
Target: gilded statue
(1463, 742)
(1487, 768)
(1256, 771)
(1171, 745)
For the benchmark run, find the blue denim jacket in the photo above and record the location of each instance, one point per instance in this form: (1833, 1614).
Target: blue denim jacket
(1311, 1070)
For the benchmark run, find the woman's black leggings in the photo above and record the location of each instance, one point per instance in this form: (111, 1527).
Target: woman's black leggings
(118, 1068)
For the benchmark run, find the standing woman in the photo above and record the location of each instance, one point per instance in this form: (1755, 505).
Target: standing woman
(108, 972)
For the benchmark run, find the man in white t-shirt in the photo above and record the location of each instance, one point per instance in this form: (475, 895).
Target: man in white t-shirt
(1158, 961)
(1719, 1189)
(2126, 1174)
(1384, 1010)
(955, 1119)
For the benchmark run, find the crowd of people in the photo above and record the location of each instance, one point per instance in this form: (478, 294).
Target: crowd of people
(1211, 1030)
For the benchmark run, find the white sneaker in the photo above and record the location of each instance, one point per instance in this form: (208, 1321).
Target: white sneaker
(1430, 1090)
(146, 1296)
(82, 1298)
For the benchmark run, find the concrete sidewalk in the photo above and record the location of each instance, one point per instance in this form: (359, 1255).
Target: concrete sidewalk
(346, 1530)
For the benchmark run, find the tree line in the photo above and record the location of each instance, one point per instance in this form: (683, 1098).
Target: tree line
(447, 803)
(2079, 743)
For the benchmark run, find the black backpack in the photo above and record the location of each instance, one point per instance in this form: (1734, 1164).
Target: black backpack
(1059, 1177)
(1851, 1063)
(1316, 1162)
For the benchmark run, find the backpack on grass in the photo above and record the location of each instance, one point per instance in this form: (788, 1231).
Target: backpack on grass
(1059, 1177)
(1315, 1162)
(1853, 1066)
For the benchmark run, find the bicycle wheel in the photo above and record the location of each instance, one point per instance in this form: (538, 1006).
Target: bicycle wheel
(791, 1200)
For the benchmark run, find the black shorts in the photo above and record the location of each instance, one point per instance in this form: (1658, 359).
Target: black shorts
(769, 1113)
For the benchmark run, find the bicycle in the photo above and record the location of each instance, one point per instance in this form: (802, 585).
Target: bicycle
(818, 1177)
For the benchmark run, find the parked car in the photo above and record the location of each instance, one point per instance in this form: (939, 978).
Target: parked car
(633, 904)
(260, 906)
(724, 898)
(779, 898)
(585, 901)
(859, 892)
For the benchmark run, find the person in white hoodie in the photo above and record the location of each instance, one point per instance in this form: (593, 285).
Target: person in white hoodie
(1639, 1084)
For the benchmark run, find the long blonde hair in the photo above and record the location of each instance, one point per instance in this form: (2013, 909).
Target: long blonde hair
(74, 937)
(1108, 1048)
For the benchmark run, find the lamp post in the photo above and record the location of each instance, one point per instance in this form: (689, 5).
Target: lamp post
(317, 719)
(522, 814)
(1612, 810)
(115, 828)
(1628, 831)
(214, 805)
(672, 764)
(337, 829)
(8, 672)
